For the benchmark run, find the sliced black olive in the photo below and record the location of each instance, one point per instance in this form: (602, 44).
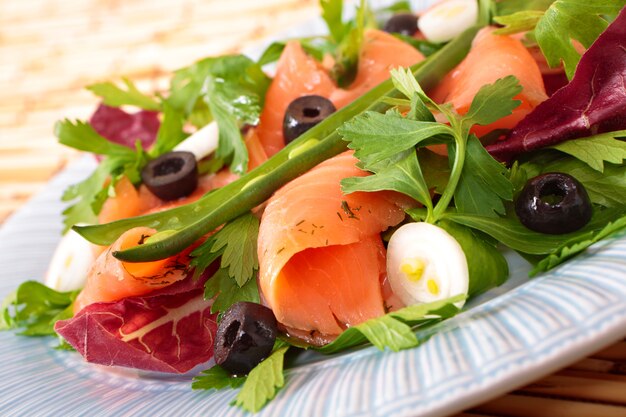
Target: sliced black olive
(402, 23)
(553, 203)
(172, 175)
(245, 337)
(303, 113)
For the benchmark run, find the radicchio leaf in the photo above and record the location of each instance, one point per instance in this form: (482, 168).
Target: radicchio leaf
(168, 330)
(593, 102)
(126, 128)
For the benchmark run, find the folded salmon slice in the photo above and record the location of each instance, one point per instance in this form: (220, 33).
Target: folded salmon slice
(298, 74)
(110, 279)
(493, 57)
(381, 52)
(321, 258)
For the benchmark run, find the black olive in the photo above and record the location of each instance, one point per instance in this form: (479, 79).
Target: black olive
(172, 175)
(303, 113)
(245, 337)
(553, 203)
(402, 23)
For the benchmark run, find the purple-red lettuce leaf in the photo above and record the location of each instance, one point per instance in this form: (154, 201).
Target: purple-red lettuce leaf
(593, 102)
(125, 128)
(168, 330)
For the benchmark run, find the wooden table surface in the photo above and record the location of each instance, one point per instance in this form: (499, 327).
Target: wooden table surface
(51, 49)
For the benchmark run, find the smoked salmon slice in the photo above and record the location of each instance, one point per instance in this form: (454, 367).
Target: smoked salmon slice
(110, 279)
(381, 52)
(321, 258)
(493, 57)
(298, 74)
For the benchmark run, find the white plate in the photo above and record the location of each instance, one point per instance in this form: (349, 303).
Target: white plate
(520, 332)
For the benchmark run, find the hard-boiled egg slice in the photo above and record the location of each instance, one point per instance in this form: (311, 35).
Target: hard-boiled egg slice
(201, 143)
(448, 19)
(70, 263)
(425, 264)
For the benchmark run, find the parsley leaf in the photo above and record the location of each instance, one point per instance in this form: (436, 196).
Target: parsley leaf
(478, 182)
(503, 8)
(565, 20)
(376, 137)
(230, 89)
(35, 308)
(332, 12)
(216, 378)
(493, 102)
(596, 150)
(237, 241)
(226, 291)
(317, 47)
(560, 23)
(114, 96)
(387, 332)
(263, 382)
(346, 37)
(435, 168)
(92, 192)
(404, 176)
(230, 143)
(577, 245)
(170, 132)
(522, 21)
(236, 244)
(82, 136)
(483, 183)
(394, 330)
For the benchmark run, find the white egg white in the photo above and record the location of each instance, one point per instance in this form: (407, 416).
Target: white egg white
(70, 263)
(425, 264)
(448, 19)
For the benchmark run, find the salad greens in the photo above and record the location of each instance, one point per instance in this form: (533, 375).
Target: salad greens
(114, 96)
(394, 331)
(578, 244)
(477, 181)
(91, 193)
(230, 89)
(596, 150)
(561, 22)
(263, 382)
(233, 85)
(510, 232)
(236, 245)
(34, 308)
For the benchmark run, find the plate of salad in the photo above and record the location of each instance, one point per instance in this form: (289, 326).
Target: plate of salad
(399, 209)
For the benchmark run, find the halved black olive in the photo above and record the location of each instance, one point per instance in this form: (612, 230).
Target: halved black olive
(553, 203)
(244, 337)
(402, 23)
(303, 113)
(172, 175)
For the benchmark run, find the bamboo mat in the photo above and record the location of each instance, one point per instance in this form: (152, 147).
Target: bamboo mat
(51, 49)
